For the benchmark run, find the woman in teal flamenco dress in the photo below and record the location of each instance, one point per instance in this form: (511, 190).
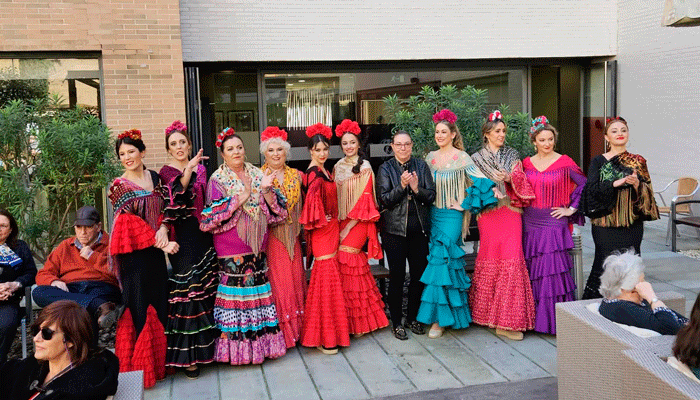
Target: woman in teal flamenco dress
(461, 190)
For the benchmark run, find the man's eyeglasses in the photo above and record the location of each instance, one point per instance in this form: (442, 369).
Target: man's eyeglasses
(403, 145)
(46, 333)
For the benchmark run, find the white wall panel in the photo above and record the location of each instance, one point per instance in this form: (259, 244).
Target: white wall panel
(312, 30)
(659, 90)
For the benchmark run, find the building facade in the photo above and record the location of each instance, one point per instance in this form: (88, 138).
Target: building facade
(249, 64)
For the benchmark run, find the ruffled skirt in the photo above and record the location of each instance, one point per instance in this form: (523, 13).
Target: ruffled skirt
(363, 301)
(191, 329)
(245, 313)
(325, 316)
(288, 282)
(547, 241)
(501, 294)
(145, 352)
(444, 298)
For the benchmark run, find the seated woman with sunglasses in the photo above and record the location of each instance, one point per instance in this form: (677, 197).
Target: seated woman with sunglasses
(65, 365)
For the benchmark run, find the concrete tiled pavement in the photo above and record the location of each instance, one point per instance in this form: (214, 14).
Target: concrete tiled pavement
(378, 365)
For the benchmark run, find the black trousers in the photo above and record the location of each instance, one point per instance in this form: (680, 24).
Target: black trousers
(9, 320)
(414, 248)
(607, 241)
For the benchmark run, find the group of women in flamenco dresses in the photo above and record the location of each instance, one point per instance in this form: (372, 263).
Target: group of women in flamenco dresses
(523, 212)
(238, 291)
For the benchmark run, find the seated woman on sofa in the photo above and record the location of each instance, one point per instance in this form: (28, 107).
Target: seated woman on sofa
(686, 350)
(629, 300)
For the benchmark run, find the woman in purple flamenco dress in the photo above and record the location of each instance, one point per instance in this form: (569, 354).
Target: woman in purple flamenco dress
(558, 183)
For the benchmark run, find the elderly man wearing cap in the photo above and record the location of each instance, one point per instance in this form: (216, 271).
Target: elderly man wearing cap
(78, 269)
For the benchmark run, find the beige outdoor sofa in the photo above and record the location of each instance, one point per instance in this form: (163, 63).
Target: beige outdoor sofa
(648, 376)
(590, 359)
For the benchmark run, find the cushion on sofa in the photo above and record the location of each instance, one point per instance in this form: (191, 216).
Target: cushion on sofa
(641, 332)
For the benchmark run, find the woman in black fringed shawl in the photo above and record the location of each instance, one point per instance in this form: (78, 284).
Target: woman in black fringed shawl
(618, 198)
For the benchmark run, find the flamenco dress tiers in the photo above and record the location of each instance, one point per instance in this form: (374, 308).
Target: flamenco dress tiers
(444, 300)
(501, 294)
(547, 243)
(363, 301)
(245, 313)
(190, 329)
(325, 316)
(288, 282)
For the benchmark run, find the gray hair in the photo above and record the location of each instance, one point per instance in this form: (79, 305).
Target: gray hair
(622, 271)
(275, 140)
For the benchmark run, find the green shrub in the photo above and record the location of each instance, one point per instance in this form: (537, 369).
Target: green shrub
(53, 161)
(415, 116)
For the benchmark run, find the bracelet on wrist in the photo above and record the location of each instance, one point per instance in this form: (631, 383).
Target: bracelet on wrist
(654, 300)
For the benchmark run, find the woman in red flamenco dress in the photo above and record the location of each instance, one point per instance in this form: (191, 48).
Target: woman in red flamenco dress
(325, 318)
(357, 211)
(137, 243)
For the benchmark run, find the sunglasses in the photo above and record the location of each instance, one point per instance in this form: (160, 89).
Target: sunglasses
(46, 333)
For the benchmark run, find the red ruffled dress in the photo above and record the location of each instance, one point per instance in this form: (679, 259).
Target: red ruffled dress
(284, 258)
(143, 276)
(325, 317)
(356, 201)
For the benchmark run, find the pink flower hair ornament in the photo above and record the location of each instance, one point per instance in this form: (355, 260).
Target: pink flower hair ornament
(347, 126)
(176, 126)
(538, 122)
(495, 116)
(445, 115)
(223, 135)
(133, 134)
(319, 129)
(272, 132)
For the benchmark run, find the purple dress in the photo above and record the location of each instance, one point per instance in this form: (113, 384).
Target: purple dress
(547, 240)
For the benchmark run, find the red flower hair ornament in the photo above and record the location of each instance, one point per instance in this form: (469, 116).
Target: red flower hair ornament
(611, 119)
(176, 126)
(347, 126)
(272, 132)
(133, 134)
(223, 135)
(445, 115)
(319, 129)
(495, 116)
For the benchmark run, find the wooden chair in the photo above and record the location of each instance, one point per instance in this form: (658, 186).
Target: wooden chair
(687, 188)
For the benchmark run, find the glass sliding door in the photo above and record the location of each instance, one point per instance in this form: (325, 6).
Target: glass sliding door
(599, 102)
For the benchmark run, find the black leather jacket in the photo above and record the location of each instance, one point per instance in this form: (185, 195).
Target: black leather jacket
(394, 199)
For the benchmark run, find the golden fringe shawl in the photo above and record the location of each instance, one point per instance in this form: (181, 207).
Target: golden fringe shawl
(351, 189)
(627, 210)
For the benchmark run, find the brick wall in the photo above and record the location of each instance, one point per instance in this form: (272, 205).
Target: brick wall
(307, 30)
(659, 71)
(141, 55)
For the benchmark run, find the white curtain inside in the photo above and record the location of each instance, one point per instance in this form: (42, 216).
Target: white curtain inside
(309, 106)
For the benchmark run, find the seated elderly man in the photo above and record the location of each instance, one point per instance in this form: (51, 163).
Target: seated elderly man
(78, 269)
(629, 300)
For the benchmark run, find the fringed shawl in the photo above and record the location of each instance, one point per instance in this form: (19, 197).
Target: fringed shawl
(138, 214)
(452, 177)
(622, 206)
(288, 230)
(559, 185)
(518, 192)
(251, 218)
(351, 186)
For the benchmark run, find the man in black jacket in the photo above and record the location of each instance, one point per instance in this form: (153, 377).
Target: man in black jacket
(406, 191)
